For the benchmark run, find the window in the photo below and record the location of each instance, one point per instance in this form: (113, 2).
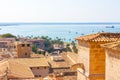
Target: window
(25, 53)
(28, 45)
(37, 67)
(36, 75)
(23, 45)
(44, 67)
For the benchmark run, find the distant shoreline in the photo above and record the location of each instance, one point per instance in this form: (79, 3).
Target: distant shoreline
(58, 23)
(65, 31)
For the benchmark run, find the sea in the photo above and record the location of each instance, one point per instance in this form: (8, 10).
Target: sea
(66, 31)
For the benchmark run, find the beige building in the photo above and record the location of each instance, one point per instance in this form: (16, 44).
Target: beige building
(5, 44)
(15, 49)
(62, 67)
(23, 68)
(58, 65)
(72, 60)
(39, 43)
(112, 61)
(92, 55)
(23, 49)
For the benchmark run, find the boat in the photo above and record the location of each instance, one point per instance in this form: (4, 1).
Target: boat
(110, 27)
(82, 34)
(69, 31)
(102, 31)
(76, 32)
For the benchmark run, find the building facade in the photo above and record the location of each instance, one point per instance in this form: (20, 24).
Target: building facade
(23, 49)
(41, 71)
(39, 43)
(112, 61)
(92, 55)
(5, 44)
(28, 68)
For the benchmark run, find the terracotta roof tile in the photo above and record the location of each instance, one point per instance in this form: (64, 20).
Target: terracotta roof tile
(19, 70)
(113, 45)
(100, 37)
(31, 62)
(20, 67)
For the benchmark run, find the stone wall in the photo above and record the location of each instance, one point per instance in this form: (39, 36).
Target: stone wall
(84, 52)
(92, 55)
(23, 50)
(97, 61)
(112, 65)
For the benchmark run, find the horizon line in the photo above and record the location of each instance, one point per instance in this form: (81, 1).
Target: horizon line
(58, 22)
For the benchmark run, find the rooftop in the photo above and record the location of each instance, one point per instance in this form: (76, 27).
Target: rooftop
(105, 37)
(3, 66)
(20, 67)
(73, 57)
(113, 45)
(31, 62)
(21, 42)
(35, 39)
(18, 70)
(59, 64)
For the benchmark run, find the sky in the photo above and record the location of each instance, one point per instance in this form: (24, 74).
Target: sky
(59, 10)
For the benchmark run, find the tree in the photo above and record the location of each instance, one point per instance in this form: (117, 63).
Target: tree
(34, 48)
(73, 43)
(49, 42)
(42, 52)
(75, 49)
(68, 49)
(35, 38)
(8, 35)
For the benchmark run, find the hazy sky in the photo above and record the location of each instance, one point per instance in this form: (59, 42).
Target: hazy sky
(59, 10)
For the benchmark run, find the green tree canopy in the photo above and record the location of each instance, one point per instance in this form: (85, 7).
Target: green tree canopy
(75, 49)
(34, 48)
(49, 42)
(8, 35)
(73, 43)
(68, 49)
